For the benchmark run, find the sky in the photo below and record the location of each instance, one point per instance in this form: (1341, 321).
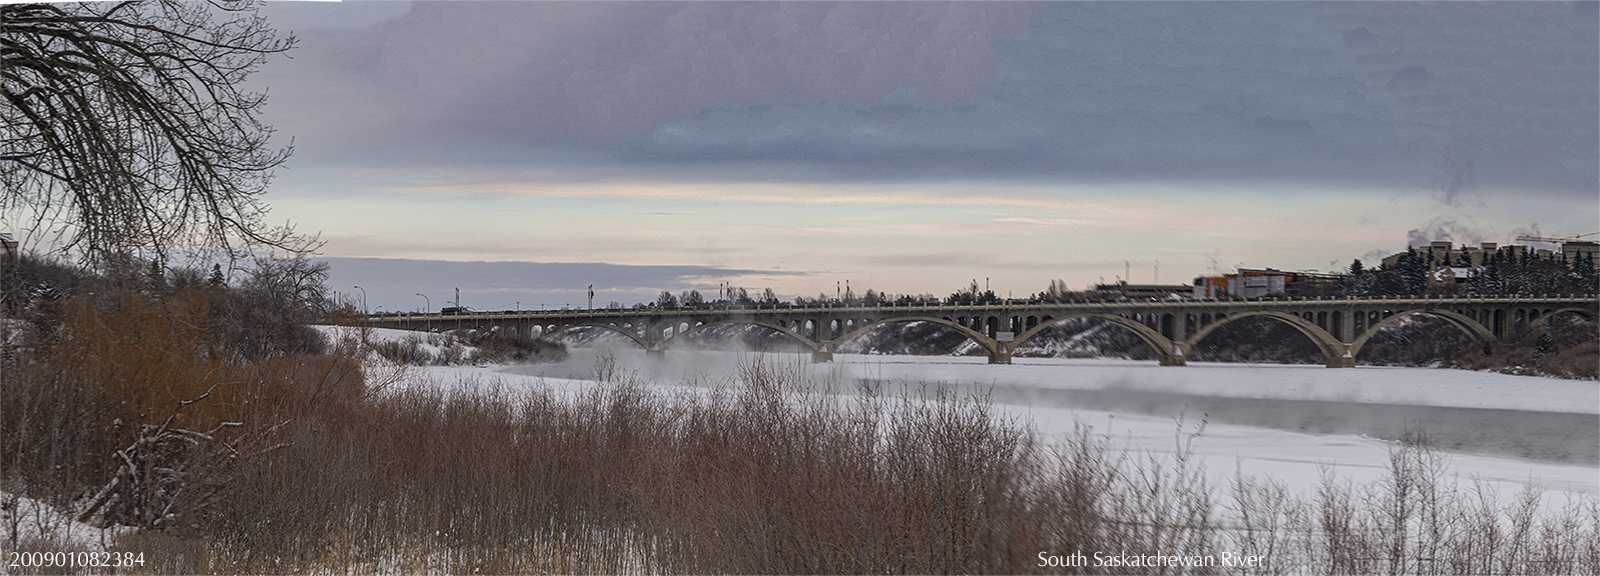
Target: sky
(523, 151)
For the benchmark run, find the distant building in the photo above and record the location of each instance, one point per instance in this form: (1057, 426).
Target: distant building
(1143, 291)
(1252, 283)
(1446, 275)
(1574, 250)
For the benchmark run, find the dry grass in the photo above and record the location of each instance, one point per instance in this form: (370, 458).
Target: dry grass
(770, 475)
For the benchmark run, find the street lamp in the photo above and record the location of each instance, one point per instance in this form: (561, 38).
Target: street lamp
(363, 299)
(428, 309)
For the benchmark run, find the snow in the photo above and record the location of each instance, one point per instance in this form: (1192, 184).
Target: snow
(39, 522)
(430, 343)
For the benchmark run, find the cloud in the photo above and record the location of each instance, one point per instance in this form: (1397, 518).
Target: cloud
(395, 282)
(1447, 229)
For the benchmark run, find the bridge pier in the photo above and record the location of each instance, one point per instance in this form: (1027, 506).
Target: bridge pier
(1176, 356)
(1345, 360)
(655, 355)
(822, 355)
(1001, 356)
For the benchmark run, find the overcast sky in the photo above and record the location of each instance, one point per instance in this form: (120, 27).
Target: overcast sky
(914, 147)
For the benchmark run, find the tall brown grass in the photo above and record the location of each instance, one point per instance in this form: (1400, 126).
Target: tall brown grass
(772, 474)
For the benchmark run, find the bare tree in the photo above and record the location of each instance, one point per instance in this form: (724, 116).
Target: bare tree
(125, 126)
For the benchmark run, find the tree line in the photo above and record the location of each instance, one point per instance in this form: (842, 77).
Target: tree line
(1505, 272)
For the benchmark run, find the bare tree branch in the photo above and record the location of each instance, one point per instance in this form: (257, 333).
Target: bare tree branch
(129, 118)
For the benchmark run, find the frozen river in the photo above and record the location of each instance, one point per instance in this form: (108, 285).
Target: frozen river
(1292, 423)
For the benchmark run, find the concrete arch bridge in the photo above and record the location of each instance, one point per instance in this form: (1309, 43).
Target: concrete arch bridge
(1339, 327)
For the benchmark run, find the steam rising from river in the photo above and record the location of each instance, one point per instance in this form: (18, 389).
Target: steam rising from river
(1539, 419)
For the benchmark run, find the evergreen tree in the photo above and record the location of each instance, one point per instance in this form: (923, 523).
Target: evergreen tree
(1387, 282)
(1583, 272)
(217, 280)
(1413, 273)
(1359, 284)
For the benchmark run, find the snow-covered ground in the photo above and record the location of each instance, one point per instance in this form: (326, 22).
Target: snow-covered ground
(1289, 422)
(40, 526)
(432, 344)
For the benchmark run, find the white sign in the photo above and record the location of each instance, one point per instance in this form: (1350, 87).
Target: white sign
(1005, 336)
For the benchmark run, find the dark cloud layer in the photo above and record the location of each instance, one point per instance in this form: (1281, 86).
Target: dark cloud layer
(1452, 96)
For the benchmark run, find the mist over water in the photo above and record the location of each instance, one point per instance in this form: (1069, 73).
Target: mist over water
(1458, 411)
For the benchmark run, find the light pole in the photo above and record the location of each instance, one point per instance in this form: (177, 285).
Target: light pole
(428, 310)
(363, 299)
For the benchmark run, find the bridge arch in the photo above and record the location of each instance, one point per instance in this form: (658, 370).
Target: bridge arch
(1164, 347)
(1584, 312)
(1477, 331)
(971, 334)
(1333, 351)
(628, 333)
(807, 342)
